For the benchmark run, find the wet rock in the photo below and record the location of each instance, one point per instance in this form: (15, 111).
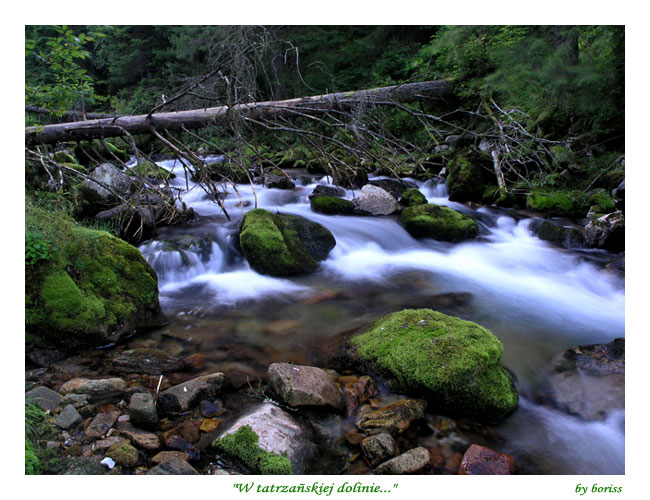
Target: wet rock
(354, 438)
(142, 411)
(374, 200)
(189, 431)
(481, 460)
(94, 196)
(209, 409)
(588, 380)
(439, 223)
(379, 447)
(617, 266)
(209, 425)
(558, 235)
(175, 466)
(166, 456)
(407, 463)
(275, 178)
(101, 424)
(322, 190)
(184, 396)
(304, 386)
(98, 390)
(277, 433)
(76, 400)
(45, 356)
(331, 205)
(412, 197)
(280, 245)
(68, 418)
(393, 418)
(358, 393)
(123, 454)
(140, 438)
(607, 232)
(283, 327)
(44, 397)
(176, 442)
(618, 195)
(146, 360)
(454, 362)
(394, 187)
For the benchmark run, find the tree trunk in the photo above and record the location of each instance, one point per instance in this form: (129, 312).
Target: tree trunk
(198, 118)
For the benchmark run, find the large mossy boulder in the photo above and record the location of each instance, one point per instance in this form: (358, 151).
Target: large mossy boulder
(89, 289)
(469, 176)
(281, 245)
(559, 203)
(331, 205)
(455, 364)
(440, 223)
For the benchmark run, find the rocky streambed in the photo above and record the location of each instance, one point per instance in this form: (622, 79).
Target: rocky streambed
(307, 371)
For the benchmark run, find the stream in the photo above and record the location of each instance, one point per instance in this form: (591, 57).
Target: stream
(537, 299)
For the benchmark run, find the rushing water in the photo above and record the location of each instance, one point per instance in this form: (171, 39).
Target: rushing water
(539, 300)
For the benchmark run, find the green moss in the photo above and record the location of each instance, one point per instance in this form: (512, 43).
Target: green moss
(93, 284)
(150, 170)
(32, 464)
(562, 156)
(558, 203)
(281, 245)
(244, 445)
(413, 197)
(469, 176)
(38, 428)
(331, 205)
(440, 223)
(601, 202)
(457, 362)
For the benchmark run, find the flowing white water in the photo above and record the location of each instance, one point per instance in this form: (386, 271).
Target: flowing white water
(539, 300)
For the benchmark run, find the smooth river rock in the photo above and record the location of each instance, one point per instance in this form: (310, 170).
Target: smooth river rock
(407, 463)
(184, 396)
(44, 397)
(304, 386)
(393, 418)
(278, 433)
(100, 389)
(376, 201)
(481, 460)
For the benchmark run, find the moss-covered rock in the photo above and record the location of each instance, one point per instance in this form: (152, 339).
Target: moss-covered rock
(413, 197)
(468, 176)
(243, 444)
(282, 245)
(331, 205)
(601, 202)
(558, 203)
(92, 290)
(123, 453)
(440, 223)
(150, 170)
(455, 363)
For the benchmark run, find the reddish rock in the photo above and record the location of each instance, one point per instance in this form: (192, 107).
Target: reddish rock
(166, 456)
(304, 386)
(142, 439)
(482, 460)
(358, 393)
(101, 424)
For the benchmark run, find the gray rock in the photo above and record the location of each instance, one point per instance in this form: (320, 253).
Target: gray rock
(184, 396)
(142, 439)
(110, 176)
(98, 390)
(394, 187)
(278, 433)
(175, 466)
(276, 179)
(565, 237)
(379, 447)
(376, 201)
(407, 463)
(44, 397)
(76, 400)
(85, 466)
(142, 410)
(304, 386)
(69, 417)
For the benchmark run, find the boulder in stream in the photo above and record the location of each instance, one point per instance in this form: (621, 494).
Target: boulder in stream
(374, 200)
(281, 245)
(455, 364)
(479, 460)
(439, 223)
(565, 237)
(331, 205)
(268, 441)
(304, 386)
(588, 380)
(607, 232)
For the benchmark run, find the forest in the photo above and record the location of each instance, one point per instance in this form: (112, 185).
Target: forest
(324, 249)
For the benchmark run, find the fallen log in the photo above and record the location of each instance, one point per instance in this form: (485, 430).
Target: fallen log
(198, 118)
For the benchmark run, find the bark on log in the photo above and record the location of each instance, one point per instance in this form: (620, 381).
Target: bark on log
(198, 118)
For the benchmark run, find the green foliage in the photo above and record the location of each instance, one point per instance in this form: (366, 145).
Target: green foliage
(37, 247)
(38, 427)
(412, 197)
(244, 445)
(32, 463)
(455, 361)
(54, 76)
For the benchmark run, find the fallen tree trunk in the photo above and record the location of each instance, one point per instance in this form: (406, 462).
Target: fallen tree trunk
(72, 115)
(198, 118)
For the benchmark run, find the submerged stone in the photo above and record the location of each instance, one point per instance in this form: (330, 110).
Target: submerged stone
(439, 223)
(479, 460)
(455, 363)
(281, 245)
